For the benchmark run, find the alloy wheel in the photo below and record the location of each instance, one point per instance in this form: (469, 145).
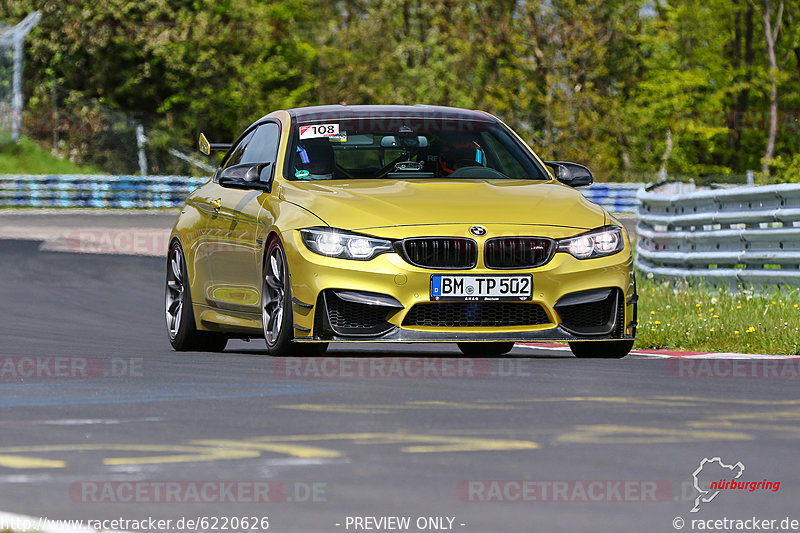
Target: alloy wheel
(273, 296)
(175, 292)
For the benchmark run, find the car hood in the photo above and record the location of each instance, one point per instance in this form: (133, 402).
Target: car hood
(368, 204)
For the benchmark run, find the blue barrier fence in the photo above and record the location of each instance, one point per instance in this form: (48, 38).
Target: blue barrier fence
(614, 197)
(81, 190)
(95, 190)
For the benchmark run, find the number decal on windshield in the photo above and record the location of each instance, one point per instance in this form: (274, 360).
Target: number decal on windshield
(319, 130)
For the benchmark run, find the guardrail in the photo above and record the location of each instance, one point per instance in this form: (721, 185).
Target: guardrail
(742, 235)
(81, 190)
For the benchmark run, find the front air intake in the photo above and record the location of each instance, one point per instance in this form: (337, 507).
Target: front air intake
(475, 314)
(594, 312)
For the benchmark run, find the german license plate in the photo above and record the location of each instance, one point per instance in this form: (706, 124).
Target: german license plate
(481, 288)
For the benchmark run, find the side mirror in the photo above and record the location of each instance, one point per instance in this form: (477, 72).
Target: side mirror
(248, 176)
(571, 174)
(207, 147)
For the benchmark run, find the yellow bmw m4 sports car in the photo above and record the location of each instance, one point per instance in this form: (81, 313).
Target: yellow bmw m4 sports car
(396, 224)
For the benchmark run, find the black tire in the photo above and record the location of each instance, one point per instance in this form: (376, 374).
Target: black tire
(308, 349)
(181, 328)
(277, 318)
(488, 349)
(601, 349)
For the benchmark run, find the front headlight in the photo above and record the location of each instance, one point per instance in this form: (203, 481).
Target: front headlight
(596, 243)
(332, 242)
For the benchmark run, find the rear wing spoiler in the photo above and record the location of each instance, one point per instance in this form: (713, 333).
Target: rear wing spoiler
(207, 147)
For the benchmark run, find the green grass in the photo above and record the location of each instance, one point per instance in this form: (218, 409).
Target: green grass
(698, 318)
(27, 157)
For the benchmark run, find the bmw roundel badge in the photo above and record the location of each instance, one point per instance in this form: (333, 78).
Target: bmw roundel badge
(478, 231)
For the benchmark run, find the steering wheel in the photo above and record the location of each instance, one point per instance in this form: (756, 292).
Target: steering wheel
(461, 163)
(477, 172)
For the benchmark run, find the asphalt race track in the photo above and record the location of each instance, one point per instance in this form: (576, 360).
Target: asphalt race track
(336, 438)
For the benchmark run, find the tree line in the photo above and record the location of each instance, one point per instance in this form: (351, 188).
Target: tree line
(629, 87)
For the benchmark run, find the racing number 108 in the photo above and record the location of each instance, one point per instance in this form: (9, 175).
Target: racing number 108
(324, 129)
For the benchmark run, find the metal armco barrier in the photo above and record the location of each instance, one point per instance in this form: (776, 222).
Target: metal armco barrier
(742, 235)
(615, 197)
(82, 190)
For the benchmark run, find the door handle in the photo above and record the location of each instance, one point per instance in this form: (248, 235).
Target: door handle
(216, 204)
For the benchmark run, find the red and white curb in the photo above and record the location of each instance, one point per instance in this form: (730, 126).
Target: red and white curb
(664, 354)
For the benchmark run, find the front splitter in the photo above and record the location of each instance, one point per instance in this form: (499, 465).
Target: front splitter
(397, 334)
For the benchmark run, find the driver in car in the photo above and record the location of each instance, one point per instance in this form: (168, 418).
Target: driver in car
(459, 153)
(315, 160)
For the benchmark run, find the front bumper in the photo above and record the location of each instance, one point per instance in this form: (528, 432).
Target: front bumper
(399, 287)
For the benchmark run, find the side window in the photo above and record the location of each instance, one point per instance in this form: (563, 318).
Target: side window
(263, 147)
(237, 153)
(508, 163)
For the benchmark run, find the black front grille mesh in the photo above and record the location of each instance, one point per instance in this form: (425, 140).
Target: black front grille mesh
(593, 318)
(355, 318)
(475, 314)
(619, 330)
(584, 316)
(440, 252)
(517, 252)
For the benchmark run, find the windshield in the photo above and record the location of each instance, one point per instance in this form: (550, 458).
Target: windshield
(408, 148)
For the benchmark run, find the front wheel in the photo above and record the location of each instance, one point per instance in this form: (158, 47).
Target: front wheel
(477, 349)
(276, 313)
(601, 349)
(276, 307)
(183, 333)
